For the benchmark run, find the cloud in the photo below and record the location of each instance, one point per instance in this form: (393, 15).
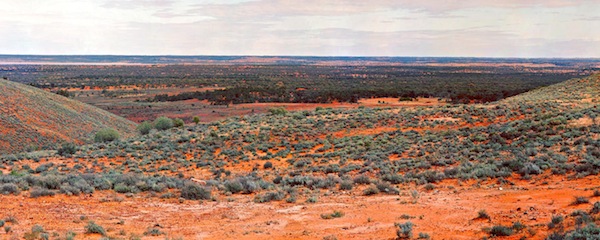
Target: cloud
(132, 4)
(590, 19)
(283, 8)
(309, 27)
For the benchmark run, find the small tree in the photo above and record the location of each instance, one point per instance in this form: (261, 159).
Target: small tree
(163, 123)
(196, 120)
(145, 127)
(106, 135)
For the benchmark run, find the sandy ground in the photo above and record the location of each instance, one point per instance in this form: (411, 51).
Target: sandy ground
(448, 212)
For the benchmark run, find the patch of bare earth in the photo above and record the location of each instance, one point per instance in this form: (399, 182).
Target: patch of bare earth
(448, 212)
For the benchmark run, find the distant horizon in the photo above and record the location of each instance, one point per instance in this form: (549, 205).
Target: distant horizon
(290, 56)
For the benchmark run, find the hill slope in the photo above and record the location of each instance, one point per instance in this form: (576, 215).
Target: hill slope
(579, 90)
(31, 119)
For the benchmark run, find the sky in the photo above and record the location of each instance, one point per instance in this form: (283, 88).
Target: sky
(457, 28)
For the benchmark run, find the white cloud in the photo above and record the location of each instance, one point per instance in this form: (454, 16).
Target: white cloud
(302, 27)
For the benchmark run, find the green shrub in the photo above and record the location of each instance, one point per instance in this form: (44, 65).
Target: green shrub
(92, 227)
(196, 120)
(41, 192)
(500, 230)
(269, 196)
(518, 226)
(386, 187)
(278, 111)
(596, 208)
(121, 188)
(404, 230)
(193, 191)
(362, 179)
(335, 214)
(163, 123)
(70, 235)
(153, 232)
(346, 185)
(424, 236)
(557, 219)
(106, 135)
(371, 190)
(330, 237)
(67, 149)
(268, 165)
(11, 219)
(312, 199)
(9, 188)
(244, 185)
(145, 127)
(482, 214)
(177, 122)
(591, 231)
(37, 232)
(580, 200)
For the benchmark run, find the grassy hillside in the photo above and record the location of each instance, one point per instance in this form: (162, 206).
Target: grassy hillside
(33, 119)
(575, 91)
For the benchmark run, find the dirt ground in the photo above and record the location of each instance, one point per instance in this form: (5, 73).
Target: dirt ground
(448, 212)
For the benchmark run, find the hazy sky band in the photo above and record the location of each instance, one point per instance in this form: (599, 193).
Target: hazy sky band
(479, 28)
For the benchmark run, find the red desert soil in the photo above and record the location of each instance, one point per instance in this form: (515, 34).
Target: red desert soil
(448, 212)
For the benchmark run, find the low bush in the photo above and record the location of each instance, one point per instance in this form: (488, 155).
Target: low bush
(163, 123)
(67, 149)
(371, 190)
(335, 214)
(346, 185)
(106, 135)
(404, 230)
(386, 187)
(596, 208)
(362, 179)
(518, 226)
(424, 236)
(500, 231)
(9, 188)
(591, 231)
(178, 122)
(482, 214)
(580, 200)
(145, 127)
(269, 196)
(278, 111)
(268, 165)
(41, 192)
(92, 227)
(153, 232)
(194, 191)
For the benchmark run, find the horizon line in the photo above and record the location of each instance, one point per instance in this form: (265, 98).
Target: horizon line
(291, 56)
